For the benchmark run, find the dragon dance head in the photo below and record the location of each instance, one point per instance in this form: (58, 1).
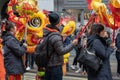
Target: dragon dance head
(31, 26)
(34, 27)
(27, 7)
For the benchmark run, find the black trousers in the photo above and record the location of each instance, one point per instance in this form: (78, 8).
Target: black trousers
(29, 60)
(76, 56)
(75, 59)
(118, 61)
(53, 73)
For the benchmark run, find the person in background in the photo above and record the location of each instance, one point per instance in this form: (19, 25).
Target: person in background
(77, 48)
(13, 51)
(82, 67)
(96, 38)
(118, 53)
(65, 66)
(29, 61)
(67, 42)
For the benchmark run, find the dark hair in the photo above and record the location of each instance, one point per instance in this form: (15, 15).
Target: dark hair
(9, 25)
(96, 29)
(92, 30)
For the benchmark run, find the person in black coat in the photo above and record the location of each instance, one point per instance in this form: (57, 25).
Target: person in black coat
(103, 51)
(118, 53)
(13, 51)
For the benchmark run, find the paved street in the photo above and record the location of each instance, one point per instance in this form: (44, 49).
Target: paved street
(71, 75)
(31, 76)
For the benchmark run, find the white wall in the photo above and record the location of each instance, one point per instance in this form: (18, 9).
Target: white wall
(46, 4)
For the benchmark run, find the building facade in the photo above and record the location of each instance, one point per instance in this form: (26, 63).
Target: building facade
(72, 4)
(78, 8)
(46, 4)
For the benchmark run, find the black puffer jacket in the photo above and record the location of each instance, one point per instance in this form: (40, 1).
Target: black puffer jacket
(13, 53)
(56, 47)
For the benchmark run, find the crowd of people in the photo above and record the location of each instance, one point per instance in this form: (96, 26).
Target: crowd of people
(59, 45)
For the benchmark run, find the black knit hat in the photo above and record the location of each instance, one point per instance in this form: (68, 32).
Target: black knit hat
(54, 18)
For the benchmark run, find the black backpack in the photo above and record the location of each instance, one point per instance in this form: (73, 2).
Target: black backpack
(42, 54)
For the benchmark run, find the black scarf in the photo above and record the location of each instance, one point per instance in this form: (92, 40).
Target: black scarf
(103, 40)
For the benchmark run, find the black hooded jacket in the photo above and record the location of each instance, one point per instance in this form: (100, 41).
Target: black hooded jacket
(56, 47)
(13, 53)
